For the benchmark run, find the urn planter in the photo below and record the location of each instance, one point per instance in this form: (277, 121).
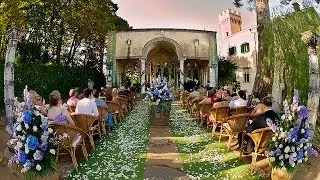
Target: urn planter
(159, 114)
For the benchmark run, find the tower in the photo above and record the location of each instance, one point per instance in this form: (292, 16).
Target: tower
(230, 22)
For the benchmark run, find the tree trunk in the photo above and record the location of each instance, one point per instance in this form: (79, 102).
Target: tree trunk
(13, 36)
(263, 14)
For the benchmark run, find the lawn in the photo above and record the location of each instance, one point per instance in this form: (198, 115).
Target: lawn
(117, 154)
(203, 157)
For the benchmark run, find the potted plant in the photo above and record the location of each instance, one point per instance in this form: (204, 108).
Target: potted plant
(160, 98)
(290, 145)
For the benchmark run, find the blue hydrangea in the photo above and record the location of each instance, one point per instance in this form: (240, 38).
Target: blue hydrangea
(22, 157)
(300, 154)
(32, 142)
(27, 116)
(293, 134)
(303, 112)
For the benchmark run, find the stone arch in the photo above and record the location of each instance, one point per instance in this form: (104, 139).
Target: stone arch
(149, 44)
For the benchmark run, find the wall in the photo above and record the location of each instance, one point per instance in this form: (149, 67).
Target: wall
(243, 60)
(185, 38)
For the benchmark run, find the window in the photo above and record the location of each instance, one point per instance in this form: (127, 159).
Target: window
(245, 48)
(227, 33)
(232, 51)
(246, 76)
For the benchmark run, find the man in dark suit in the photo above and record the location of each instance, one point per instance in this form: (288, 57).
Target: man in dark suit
(259, 122)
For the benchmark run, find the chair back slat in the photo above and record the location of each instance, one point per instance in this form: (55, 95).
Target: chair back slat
(219, 113)
(239, 110)
(237, 123)
(102, 111)
(205, 108)
(84, 121)
(113, 107)
(261, 137)
(60, 129)
(72, 109)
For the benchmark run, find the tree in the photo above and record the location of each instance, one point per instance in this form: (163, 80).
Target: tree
(227, 71)
(263, 15)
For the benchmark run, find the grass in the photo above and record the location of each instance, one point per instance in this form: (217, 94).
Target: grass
(203, 157)
(120, 154)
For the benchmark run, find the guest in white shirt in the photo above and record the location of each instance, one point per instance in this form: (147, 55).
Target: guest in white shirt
(240, 101)
(87, 105)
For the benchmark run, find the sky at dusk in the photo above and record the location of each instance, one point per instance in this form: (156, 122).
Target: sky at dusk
(185, 14)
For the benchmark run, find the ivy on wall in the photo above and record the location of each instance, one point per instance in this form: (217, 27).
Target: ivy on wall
(282, 43)
(111, 55)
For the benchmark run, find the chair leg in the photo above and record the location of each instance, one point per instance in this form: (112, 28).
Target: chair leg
(230, 140)
(214, 127)
(57, 154)
(221, 129)
(91, 139)
(74, 159)
(84, 150)
(254, 159)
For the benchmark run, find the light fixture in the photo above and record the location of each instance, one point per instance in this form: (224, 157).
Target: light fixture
(129, 42)
(214, 66)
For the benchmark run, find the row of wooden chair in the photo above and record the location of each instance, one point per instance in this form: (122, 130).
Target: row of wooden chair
(87, 125)
(230, 121)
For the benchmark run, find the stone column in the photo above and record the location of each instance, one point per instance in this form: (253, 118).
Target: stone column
(182, 73)
(213, 74)
(143, 76)
(312, 39)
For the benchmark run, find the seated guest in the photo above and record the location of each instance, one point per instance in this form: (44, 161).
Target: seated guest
(193, 94)
(227, 95)
(38, 102)
(101, 102)
(73, 97)
(87, 105)
(115, 93)
(260, 122)
(239, 102)
(208, 99)
(58, 112)
(256, 99)
(219, 100)
(202, 94)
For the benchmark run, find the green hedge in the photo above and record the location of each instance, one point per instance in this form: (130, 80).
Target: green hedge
(46, 78)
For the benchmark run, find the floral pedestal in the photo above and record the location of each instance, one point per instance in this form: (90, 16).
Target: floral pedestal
(159, 115)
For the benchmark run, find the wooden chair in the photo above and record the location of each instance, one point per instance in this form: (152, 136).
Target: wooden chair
(102, 122)
(260, 138)
(237, 124)
(217, 116)
(238, 110)
(74, 137)
(196, 108)
(89, 124)
(72, 109)
(183, 97)
(204, 110)
(113, 108)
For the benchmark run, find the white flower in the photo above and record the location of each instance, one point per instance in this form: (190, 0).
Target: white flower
(294, 154)
(293, 149)
(38, 167)
(286, 156)
(301, 145)
(293, 164)
(276, 134)
(50, 130)
(35, 128)
(293, 140)
(19, 120)
(26, 150)
(287, 149)
(19, 128)
(305, 159)
(298, 148)
(302, 131)
(281, 163)
(281, 129)
(19, 144)
(26, 125)
(23, 138)
(52, 151)
(280, 146)
(305, 147)
(37, 113)
(300, 161)
(306, 153)
(283, 117)
(272, 159)
(274, 139)
(283, 135)
(281, 157)
(290, 117)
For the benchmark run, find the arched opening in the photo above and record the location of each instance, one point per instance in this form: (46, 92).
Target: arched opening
(162, 61)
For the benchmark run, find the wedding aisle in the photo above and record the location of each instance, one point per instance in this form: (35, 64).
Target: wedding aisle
(202, 156)
(121, 153)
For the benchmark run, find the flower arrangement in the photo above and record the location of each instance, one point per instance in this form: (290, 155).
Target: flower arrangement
(290, 144)
(159, 93)
(32, 140)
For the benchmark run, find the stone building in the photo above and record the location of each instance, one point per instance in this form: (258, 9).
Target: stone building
(145, 54)
(240, 46)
